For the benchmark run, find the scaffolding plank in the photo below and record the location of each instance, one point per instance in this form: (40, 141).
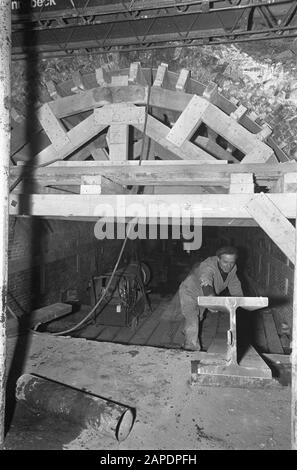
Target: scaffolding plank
(273, 340)
(273, 221)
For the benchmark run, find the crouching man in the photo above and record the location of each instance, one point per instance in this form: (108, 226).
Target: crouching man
(211, 277)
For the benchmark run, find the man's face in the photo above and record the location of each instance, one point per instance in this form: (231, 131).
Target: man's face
(227, 262)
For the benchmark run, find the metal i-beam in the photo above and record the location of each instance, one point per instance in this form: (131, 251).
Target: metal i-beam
(229, 370)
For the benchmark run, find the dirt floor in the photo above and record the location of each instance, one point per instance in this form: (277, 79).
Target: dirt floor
(171, 413)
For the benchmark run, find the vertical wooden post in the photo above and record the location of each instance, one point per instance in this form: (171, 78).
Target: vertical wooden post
(294, 354)
(5, 52)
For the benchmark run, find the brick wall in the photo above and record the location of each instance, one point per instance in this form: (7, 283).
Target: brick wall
(49, 257)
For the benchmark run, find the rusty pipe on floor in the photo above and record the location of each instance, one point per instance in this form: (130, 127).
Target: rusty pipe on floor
(77, 406)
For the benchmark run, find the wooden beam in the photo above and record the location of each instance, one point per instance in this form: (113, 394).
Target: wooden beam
(159, 132)
(208, 205)
(255, 150)
(272, 219)
(287, 183)
(102, 77)
(161, 78)
(52, 127)
(97, 97)
(120, 113)
(188, 121)
(214, 149)
(136, 75)
(241, 183)
(118, 142)
(183, 81)
(78, 136)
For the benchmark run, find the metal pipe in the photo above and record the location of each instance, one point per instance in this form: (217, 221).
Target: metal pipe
(75, 405)
(5, 56)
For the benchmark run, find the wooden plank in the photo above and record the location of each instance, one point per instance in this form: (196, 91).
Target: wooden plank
(241, 183)
(286, 183)
(214, 149)
(188, 121)
(273, 221)
(159, 132)
(136, 75)
(148, 172)
(183, 81)
(103, 78)
(119, 80)
(48, 313)
(120, 113)
(161, 78)
(206, 205)
(79, 135)
(53, 127)
(274, 344)
(118, 142)
(255, 150)
(108, 333)
(143, 333)
(97, 97)
(99, 154)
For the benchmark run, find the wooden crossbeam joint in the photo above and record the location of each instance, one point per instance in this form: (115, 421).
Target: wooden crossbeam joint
(241, 183)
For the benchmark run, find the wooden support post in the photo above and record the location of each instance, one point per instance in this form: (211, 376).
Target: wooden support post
(188, 121)
(161, 78)
(118, 142)
(183, 81)
(294, 355)
(136, 74)
(272, 220)
(53, 127)
(102, 77)
(5, 91)
(241, 183)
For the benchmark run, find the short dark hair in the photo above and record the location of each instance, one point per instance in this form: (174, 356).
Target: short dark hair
(227, 250)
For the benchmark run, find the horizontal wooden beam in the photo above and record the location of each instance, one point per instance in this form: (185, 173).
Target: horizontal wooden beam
(206, 205)
(97, 97)
(151, 172)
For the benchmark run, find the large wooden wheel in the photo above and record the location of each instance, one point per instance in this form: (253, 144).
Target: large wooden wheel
(147, 114)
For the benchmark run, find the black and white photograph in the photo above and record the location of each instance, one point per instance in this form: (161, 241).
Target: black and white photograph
(148, 205)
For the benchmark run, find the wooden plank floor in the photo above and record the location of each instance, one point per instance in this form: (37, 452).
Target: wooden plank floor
(154, 330)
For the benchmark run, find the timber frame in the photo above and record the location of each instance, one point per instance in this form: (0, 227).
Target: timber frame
(180, 142)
